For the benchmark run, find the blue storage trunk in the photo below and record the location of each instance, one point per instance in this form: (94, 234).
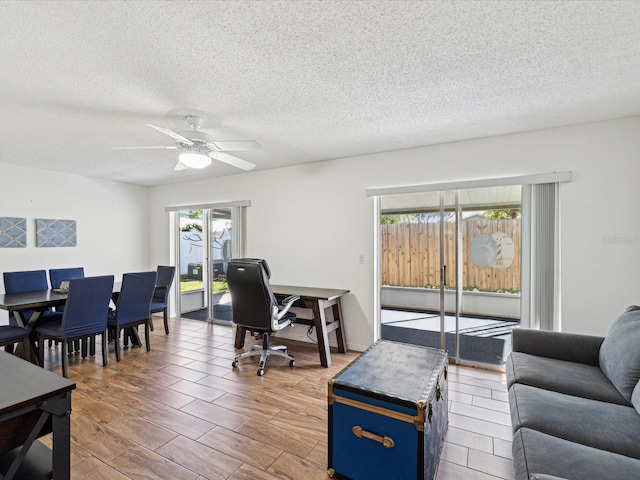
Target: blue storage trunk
(388, 413)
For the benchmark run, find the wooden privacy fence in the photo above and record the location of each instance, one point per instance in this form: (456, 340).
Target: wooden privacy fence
(490, 254)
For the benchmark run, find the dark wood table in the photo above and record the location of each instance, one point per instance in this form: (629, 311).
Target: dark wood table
(327, 316)
(39, 302)
(36, 302)
(33, 402)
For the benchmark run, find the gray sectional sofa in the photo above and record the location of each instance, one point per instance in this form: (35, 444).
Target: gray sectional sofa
(575, 403)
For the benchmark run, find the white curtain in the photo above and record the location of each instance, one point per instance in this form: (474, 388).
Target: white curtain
(540, 301)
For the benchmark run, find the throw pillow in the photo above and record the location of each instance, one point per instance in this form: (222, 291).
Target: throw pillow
(619, 353)
(635, 398)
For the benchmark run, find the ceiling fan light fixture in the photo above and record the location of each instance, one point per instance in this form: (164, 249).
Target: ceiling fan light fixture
(195, 160)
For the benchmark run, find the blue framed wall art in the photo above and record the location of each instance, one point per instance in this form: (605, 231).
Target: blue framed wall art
(56, 233)
(13, 232)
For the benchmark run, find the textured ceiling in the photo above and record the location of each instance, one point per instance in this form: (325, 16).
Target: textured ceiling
(308, 80)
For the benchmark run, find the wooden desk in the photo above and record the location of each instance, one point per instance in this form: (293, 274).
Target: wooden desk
(327, 316)
(33, 402)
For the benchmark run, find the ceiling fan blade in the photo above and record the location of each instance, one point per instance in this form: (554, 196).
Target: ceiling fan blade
(180, 166)
(172, 134)
(235, 145)
(173, 147)
(233, 161)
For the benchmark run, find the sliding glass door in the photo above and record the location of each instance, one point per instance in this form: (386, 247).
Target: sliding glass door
(191, 264)
(221, 236)
(490, 280)
(450, 274)
(207, 239)
(447, 246)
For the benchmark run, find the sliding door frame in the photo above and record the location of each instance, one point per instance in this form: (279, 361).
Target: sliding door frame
(528, 241)
(238, 214)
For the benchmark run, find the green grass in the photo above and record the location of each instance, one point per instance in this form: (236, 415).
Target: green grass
(189, 285)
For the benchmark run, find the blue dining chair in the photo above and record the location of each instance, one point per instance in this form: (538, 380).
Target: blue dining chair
(10, 335)
(160, 300)
(56, 277)
(85, 315)
(133, 306)
(59, 275)
(28, 281)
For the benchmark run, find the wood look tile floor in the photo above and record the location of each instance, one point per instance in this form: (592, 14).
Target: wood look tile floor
(181, 412)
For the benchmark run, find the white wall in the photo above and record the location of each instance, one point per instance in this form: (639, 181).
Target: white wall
(313, 221)
(112, 222)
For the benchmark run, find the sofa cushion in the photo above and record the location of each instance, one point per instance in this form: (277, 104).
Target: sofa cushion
(539, 453)
(570, 347)
(635, 397)
(606, 426)
(619, 353)
(560, 376)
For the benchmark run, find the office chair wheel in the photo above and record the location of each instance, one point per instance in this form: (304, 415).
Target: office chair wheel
(234, 364)
(292, 363)
(260, 372)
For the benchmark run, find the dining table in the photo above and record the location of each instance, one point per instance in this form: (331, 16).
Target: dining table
(28, 308)
(36, 302)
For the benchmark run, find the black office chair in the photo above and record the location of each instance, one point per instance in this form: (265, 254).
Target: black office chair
(254, 307)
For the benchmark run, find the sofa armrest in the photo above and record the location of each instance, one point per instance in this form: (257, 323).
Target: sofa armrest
(570, 347)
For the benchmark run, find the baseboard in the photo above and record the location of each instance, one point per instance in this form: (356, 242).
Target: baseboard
(299, 333)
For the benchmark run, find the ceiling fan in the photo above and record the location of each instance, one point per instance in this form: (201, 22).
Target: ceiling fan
(197, 148)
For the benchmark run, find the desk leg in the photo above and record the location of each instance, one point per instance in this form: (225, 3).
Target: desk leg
(240, 334)
(340, 334)
(321, 331)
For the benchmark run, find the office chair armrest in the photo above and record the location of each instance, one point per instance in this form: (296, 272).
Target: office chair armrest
(287, 303)
(290, 299)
